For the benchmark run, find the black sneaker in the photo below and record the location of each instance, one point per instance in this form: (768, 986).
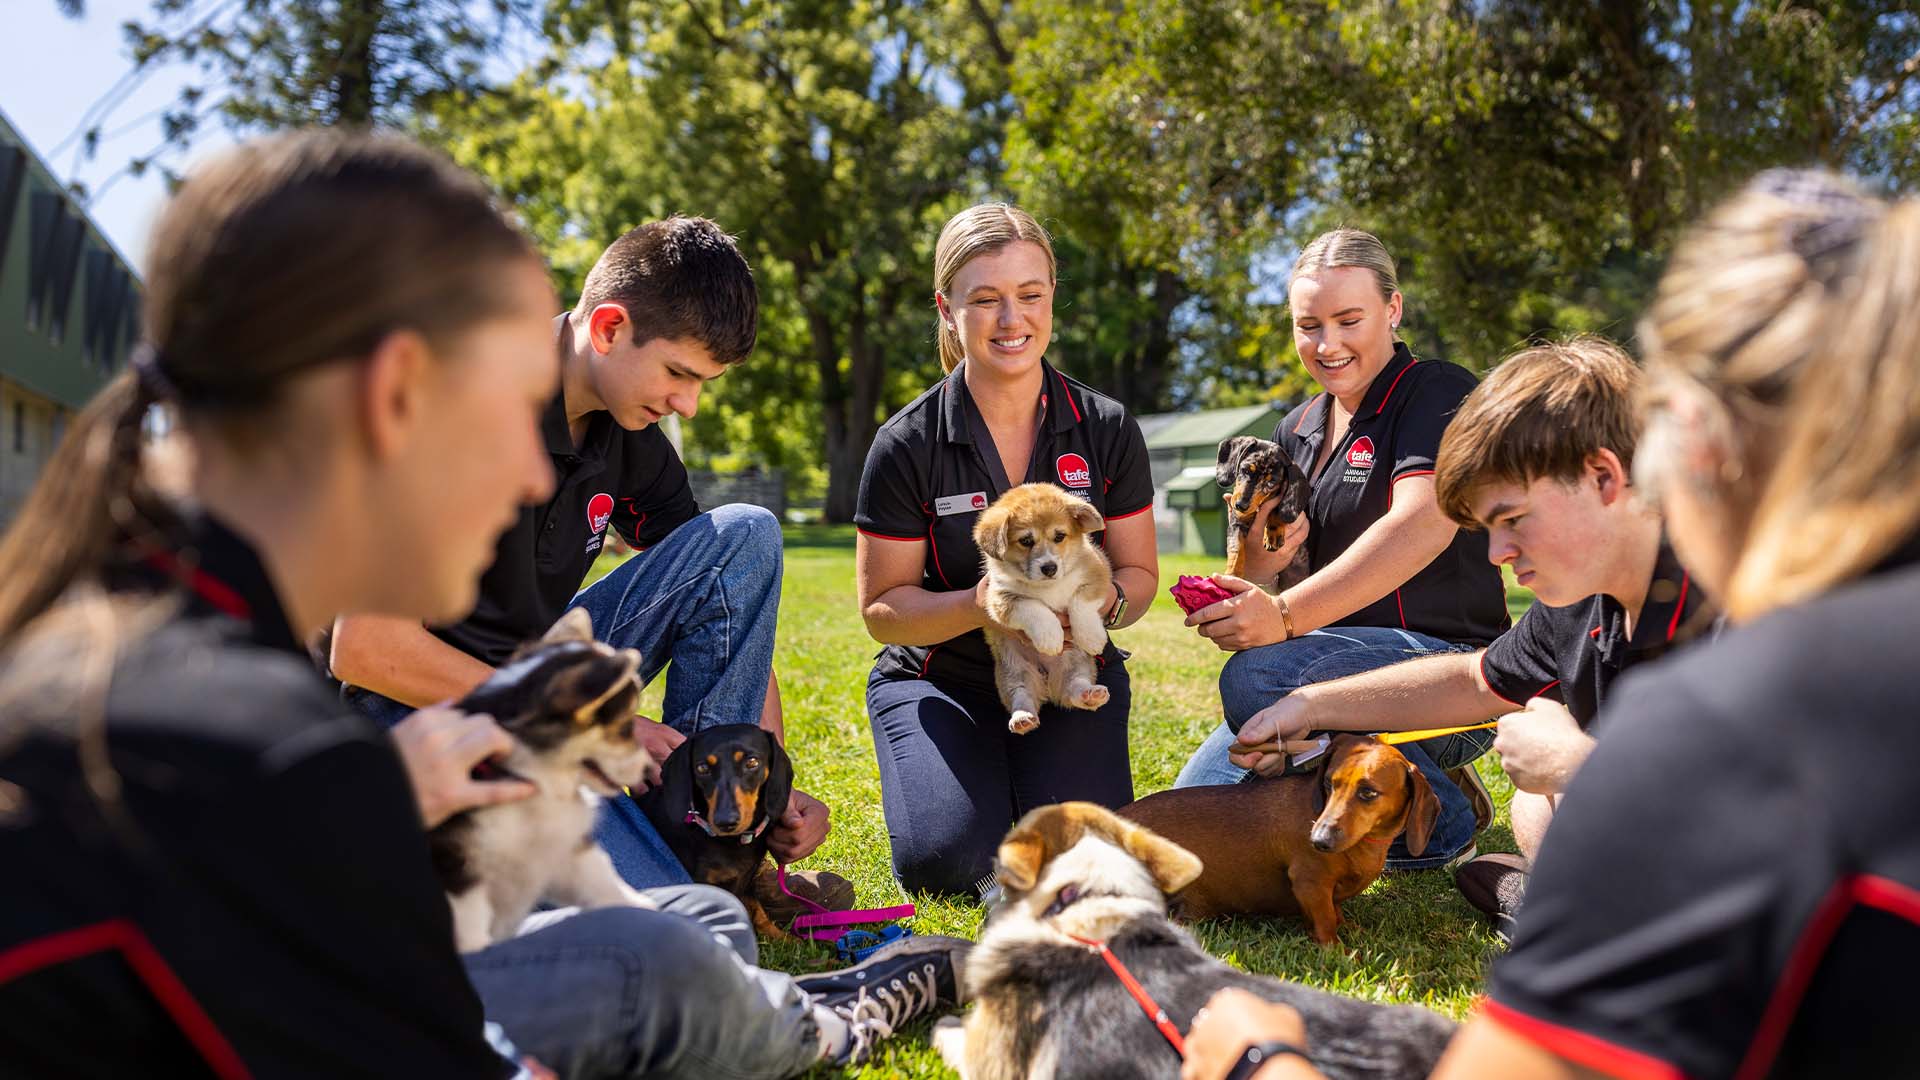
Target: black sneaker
(897, 985)
(1495, 884)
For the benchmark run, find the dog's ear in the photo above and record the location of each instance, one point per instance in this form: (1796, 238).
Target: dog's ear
(1085, 516)
(1423, 810)
(1017, 864)
(1172, 866)
(575, 625)
(777, 788)
(1231, 452)
(990, 531)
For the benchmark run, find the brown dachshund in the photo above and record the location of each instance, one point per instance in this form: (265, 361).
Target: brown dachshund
(1295, 845)
(1256, 472)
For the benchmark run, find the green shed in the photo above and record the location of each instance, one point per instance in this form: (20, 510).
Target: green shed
(1189, 515)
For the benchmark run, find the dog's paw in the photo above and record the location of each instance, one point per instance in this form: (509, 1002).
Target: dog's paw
(1022, 722)
(950, 1042)
(1047, 638)
(1092, 697)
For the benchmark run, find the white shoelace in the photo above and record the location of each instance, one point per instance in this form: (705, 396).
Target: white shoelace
(875, 1013)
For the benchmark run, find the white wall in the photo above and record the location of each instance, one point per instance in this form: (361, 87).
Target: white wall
(27, 423)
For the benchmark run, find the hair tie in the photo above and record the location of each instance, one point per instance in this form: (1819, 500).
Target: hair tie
(146, 367)
(1843, 211)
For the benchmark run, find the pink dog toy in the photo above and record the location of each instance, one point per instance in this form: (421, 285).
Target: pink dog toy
(1193, 593)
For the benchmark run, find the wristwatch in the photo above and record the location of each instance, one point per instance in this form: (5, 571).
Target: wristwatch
(1119, 607)
(1259, 1054)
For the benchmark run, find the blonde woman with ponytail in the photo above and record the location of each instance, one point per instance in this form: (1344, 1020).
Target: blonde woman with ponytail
(1733, 886)
(953, 779)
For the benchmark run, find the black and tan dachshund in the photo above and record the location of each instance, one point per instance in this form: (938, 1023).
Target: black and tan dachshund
(1256, 472)
(719, 794)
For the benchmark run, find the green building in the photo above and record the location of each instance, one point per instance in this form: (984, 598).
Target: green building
(1182, 448)
(69, 314)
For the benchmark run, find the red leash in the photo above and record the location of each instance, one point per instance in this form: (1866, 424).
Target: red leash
(1140, 996)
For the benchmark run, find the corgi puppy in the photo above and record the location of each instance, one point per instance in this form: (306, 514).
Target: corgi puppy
(568, 701)
(1048, 1007)
(1040, 561)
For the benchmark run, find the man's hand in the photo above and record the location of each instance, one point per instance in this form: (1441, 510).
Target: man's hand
(440, 747)
(1248, 619)
(1541, 746)
(1284, 719)
(1233, 1020)
(800, 829)
(659, 740)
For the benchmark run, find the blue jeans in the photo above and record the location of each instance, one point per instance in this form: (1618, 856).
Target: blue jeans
(706, 598)
(621, 991)
(953, 779)
(1256, 678)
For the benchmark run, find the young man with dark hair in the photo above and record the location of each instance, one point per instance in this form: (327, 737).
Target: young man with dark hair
(1539, 455)
(668, 307)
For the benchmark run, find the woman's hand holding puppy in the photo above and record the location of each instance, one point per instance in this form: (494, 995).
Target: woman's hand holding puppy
(440, 747)
(1233, 1020)
(1019, 630)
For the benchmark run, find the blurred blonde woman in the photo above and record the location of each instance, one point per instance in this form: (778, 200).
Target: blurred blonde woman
(953, 779)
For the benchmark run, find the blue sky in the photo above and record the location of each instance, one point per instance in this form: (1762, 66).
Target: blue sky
(53, 69)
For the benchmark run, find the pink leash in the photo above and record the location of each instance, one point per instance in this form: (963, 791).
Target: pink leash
(824, 925)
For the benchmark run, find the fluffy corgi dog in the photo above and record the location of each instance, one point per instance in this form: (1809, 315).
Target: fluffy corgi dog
(568, 701)
(1074, 876)
(1040, 561)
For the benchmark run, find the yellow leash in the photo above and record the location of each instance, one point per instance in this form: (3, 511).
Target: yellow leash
(1391, 738)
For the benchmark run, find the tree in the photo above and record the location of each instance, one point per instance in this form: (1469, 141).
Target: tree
(834, 137)
(267, 64)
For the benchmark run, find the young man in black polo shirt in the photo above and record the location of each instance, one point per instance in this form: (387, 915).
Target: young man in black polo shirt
(667, 307)
(1538, 456)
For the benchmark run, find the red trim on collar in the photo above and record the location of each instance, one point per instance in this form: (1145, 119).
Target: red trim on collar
(1679, 606)
(1860, 890)
(1580, 1047)
(209, 588)
(1304, 413)
(1067, 392)
(122, 936)
(1396, 382)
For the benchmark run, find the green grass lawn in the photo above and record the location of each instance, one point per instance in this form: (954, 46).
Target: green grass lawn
(1408, 938)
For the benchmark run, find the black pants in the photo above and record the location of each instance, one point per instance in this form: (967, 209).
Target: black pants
(953, 779)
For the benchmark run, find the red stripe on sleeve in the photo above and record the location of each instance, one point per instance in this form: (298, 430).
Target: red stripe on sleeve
(1131, 513)
(884, 536)
(1580, 1047)
(172, 995)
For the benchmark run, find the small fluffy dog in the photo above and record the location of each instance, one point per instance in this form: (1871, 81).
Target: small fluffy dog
(568, 701)
(1257, 472)
(1047, 1006)
(1323, 835)
(1036, 546)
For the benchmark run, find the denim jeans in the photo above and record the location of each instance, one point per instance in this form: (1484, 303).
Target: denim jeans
(953, 779)
(617, 992)
(706, 598)
(1256, 678)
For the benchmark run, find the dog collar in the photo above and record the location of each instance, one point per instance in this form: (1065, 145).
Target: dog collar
(1150, 1007)
(490, 769)
(694, 818)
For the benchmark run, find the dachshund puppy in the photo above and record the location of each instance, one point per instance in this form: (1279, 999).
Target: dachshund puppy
(568, 701)
(1257, 472)
(719, 793)
(1295, 845)
(1072, 875)
(1036, 546)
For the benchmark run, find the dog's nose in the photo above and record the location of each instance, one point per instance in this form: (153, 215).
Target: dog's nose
(1049, 569)
(1324, 837)
(727, 824)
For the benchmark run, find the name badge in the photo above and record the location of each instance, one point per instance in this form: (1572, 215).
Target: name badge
(960, 504)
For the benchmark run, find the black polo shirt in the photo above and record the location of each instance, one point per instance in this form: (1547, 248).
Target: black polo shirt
(928, 477)
(1733, 883)
(633, 480)
(1395, 434)
(1572, 654)
(260, 899)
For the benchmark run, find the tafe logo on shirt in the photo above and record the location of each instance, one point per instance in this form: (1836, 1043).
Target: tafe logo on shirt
(979, 501)
(1073, 471)
(599, 512)
(1360, 454)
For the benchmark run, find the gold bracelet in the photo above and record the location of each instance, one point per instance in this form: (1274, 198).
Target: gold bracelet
(1286, 616)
